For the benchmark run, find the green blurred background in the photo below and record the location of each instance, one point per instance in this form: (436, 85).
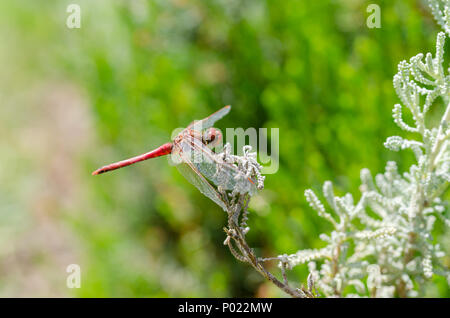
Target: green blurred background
(75, 99)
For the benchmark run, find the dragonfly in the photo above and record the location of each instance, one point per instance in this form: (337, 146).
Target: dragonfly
(191, 152)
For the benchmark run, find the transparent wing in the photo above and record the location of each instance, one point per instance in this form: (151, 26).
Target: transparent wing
(220, 173)
(190, 172)
(210, 120)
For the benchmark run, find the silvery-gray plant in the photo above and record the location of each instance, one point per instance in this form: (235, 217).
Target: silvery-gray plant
(381, 245)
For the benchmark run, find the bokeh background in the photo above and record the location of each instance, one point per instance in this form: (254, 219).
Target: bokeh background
(75, 99)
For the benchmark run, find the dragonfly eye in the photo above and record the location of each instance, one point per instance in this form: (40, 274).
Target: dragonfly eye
(212, 137)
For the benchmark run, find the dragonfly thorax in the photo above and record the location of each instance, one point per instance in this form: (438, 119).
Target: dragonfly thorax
(211, 137)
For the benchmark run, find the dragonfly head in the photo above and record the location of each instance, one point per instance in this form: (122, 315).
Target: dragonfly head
(212, 137)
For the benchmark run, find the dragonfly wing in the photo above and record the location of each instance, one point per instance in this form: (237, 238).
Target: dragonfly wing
(220, 173)
(210, 120)
(190, 172)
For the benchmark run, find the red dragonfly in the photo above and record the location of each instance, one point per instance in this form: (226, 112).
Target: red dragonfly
(191, 153)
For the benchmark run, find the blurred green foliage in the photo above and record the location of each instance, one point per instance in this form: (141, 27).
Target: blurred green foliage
(76, 99)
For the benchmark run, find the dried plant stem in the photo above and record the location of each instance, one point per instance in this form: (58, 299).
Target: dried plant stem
(248, 256)
(236, 208)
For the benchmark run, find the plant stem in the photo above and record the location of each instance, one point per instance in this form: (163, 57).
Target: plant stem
(251, 258)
